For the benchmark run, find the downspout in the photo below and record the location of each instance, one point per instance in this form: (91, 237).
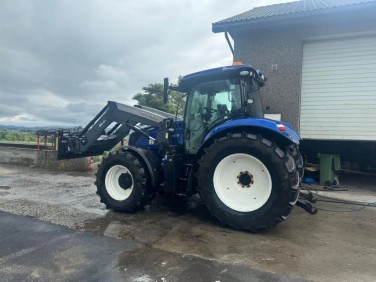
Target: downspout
(229, 43)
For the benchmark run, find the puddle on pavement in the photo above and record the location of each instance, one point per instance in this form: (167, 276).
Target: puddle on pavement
(149, 225)
(160, 265)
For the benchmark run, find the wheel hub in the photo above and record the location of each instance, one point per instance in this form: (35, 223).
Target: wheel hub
(119, 182)
(242, 182)
(125, 181)
(245, 179)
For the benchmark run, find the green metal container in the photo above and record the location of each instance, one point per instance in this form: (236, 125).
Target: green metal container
(329, 164)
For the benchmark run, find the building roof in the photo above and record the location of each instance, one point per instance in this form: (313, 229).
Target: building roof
(285, 10)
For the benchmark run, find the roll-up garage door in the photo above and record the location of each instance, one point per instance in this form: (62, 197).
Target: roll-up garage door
(338, 98)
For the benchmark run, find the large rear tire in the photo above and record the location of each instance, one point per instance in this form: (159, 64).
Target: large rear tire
(299, 161)
(123, 182)
(248, 182)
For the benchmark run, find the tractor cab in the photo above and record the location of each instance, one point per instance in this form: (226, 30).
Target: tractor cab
(216, 96)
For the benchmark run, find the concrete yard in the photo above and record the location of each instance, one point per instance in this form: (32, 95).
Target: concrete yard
(52, 227)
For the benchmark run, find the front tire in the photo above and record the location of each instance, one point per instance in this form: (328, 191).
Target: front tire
(123, 182)
(248, 182)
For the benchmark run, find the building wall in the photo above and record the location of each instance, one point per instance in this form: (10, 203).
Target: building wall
(281, 45)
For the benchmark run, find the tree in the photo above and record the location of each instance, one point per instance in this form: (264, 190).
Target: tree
(153, 97)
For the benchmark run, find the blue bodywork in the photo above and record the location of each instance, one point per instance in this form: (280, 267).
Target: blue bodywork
(268, 124)
(141, 141)
(253, 123)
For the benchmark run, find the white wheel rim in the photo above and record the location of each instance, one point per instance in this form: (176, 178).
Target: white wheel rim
(249, 194)
(112, 183)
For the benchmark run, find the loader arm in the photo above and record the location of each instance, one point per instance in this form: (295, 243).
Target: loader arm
(107, 129)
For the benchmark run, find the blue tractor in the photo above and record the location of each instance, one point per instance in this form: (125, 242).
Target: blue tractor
(247, 169)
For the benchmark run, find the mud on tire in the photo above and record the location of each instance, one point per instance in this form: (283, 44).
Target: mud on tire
(240, 162)
(123, 182)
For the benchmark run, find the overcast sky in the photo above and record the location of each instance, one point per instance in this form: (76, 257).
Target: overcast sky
(61, 61)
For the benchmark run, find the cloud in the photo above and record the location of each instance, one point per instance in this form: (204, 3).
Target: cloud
(44, 98)
(22, 118)
(112, 73)
(99, 86)
(61, 61)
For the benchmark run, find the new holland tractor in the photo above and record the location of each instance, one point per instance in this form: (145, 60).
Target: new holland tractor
(247, 169)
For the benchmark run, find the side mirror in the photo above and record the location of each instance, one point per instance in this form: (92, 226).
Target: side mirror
(166, 84)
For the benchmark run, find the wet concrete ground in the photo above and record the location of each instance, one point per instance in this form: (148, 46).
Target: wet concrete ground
(33, 250)
(331, 246)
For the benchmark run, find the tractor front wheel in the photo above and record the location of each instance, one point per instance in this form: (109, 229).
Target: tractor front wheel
(123, 182)
(248, 182)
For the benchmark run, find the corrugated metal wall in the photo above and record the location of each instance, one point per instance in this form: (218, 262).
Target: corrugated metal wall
(338, 99)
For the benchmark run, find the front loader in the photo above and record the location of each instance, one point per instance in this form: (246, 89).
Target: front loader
(247, 169)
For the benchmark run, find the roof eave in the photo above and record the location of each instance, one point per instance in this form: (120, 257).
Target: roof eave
(224, 27)
(227, 27)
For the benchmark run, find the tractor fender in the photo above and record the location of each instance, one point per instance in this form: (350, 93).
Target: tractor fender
(261, 126)
(150, 159)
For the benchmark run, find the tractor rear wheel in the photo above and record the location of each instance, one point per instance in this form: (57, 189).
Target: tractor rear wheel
(123, 182)
(248, 182)
(299, 161)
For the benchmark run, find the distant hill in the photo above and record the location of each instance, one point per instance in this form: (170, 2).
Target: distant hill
(12, 127)
(29, 129)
